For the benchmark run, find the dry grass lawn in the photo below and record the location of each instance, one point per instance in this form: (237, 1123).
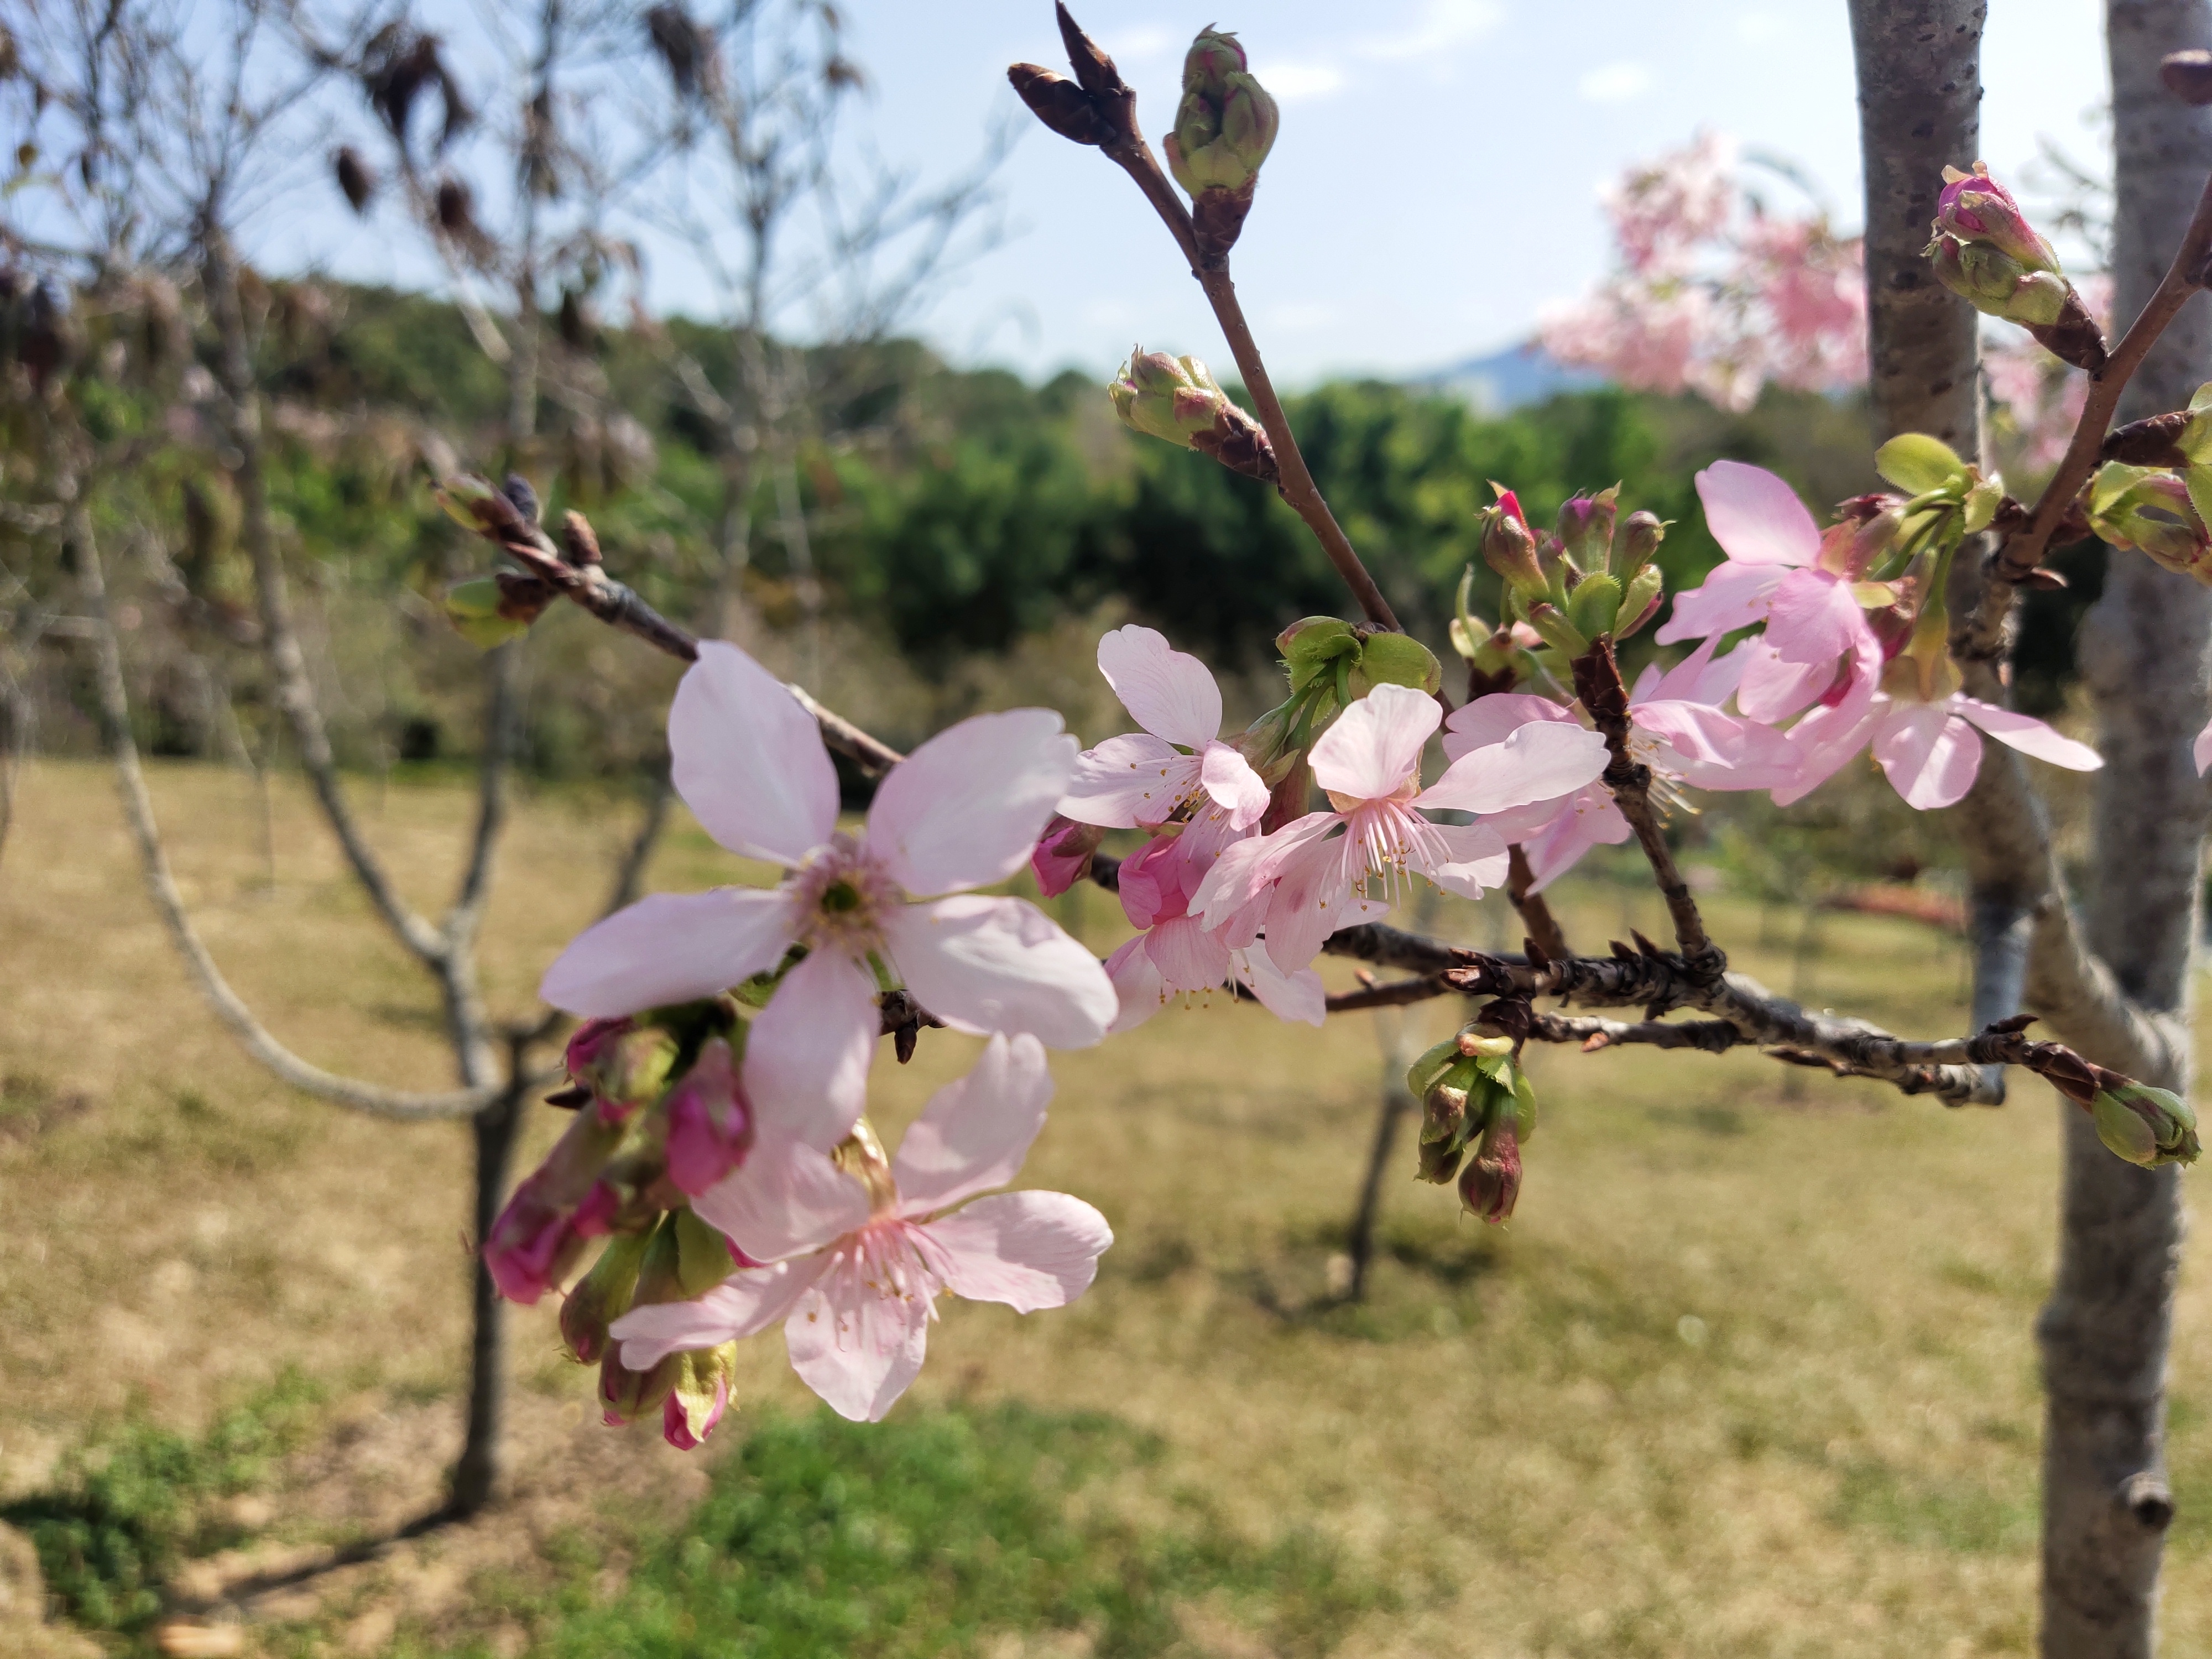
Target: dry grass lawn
(1751, 1374)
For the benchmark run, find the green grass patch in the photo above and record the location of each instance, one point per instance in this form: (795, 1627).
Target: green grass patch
(135, 1498)
(937, 1534)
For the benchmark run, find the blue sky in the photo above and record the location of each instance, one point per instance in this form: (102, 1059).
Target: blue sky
(1436, 176)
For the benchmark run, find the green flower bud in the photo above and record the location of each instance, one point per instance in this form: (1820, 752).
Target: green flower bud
(473, 608)
(1640, 602)
(1310, 648)
(2146, 1125)
(1172, 398)
(699, 1394)
(2152, 511)
(1557, 631)
(1994, 282)
(1396, 659)
(602, 1296)
(1594, 606)
(703, 1255)
(1226, 123)
(1639, 542)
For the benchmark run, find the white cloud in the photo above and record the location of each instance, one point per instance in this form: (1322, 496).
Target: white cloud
(1444, 25)
(1615, 84)
(1293, 82)
(1758, 27)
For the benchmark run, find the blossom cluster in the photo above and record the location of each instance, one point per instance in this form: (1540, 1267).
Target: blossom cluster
(1713, 293)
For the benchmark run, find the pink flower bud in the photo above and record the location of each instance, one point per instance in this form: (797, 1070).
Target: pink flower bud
(1063, 854)
(701, 1393)
(1509, 549)
(1975, 208)
(1490, 1185)
(710, 1122)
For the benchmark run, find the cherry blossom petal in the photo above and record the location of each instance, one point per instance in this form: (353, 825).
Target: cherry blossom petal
(1028, 1250)
(1475, 859)
(1189, 958)
(1698, 677)
(1299, 996)
(1243, 871)
(1375, 744)
(1772, 689)
(1166, 692)
(1824, 739)
(857, 1348)
(2028, 735)
(669, 947)
(1231, 781)
(786, 1199)
(965, 809)
(807, 1053)
(975, 1133)
(748, 758)
(2201, 750)
(1128, 781)
(742, 1305)
(999, 965)
(1136, 983)
(1592, 820)
(1539, 761)
(1312, 898)
(1813, 617)
(1755, 516)
(1734, 595)
(1495, 718)
(1929, 753)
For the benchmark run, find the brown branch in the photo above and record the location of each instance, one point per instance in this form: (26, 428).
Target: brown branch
(1543, 927)
(1396, 994)
(1598, 684)
(585, 583)
(1981, 636)
(1117, 134)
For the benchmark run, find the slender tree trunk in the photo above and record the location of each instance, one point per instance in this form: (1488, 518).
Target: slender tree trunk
(479, 1476)
(2105, 1328)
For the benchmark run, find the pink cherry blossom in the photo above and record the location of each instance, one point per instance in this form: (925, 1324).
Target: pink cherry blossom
(1929, 750)
(856, 1267)
(1177, 954)
(1780, 571)
(1328, 870)
(1677, 728)
(1178, 761)
(964, 811)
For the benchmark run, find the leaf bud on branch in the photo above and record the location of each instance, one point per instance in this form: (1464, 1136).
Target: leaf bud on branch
(1224, 126)
(1176, 400)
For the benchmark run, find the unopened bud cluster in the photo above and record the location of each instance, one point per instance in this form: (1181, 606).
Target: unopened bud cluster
(2163, 512)
(1178, 399)
(1985, 251)
(1477, 1107)
(1224, 126)
(660, 1116)
(1590, 577)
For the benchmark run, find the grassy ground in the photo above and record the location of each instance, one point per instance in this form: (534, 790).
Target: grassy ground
(1751, 1374)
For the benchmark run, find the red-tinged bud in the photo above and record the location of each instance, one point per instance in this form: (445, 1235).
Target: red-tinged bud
(1584, 530)
(1976, 208)
(709, 1121)
(1490, 1185)
(1175, 399)
(1850, 546)
(626, 1395)
(541, 1233)
(699, 1395)
(1063, 854)
(625, 1069)
(1509, 548)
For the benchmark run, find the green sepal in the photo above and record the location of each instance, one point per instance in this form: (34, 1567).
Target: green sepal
(1396, 660)
(1594, 606)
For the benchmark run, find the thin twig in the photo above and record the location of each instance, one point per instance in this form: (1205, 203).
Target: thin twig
(1981, 636)
(1542, 927)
